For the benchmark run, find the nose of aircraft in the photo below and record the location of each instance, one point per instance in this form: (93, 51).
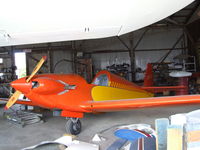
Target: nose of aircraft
(21, 85)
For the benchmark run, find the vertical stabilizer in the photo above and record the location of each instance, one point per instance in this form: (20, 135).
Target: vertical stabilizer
(148, 79)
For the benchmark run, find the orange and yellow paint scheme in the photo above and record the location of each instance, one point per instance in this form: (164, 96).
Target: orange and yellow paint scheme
(73, 96)
(115, 88)
(70, 92)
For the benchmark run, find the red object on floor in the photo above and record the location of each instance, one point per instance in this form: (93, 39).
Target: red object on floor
(183, 81)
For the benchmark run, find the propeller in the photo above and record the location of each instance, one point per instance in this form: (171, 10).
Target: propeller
(16, 95)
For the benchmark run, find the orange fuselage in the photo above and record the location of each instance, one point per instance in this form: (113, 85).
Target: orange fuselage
(49, 94)
(69, 92)
(73, 96)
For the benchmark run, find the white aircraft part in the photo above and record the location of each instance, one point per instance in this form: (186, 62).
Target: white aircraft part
(39, 21)
(68, 142)
(179, 74)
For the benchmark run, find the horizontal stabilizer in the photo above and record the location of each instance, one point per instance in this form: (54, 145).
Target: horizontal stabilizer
(164, 88)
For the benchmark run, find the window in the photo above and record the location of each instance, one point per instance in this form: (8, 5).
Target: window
(20, 62)
(101, 80)
(1, 60)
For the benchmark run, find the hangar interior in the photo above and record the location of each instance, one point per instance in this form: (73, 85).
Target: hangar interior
(172, 44)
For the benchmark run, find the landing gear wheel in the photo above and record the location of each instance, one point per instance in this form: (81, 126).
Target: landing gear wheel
(73, 126)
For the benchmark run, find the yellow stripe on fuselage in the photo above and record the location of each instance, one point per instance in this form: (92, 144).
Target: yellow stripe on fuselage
(103, 93)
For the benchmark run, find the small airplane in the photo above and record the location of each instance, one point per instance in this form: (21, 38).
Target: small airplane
(79, 20)
(72, 96)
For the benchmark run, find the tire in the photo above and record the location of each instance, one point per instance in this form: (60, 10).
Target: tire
(73, 128)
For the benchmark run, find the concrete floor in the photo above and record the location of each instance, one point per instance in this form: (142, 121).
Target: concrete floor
(13, 137)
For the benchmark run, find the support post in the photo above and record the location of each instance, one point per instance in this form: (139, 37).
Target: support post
(49, 59)
(132, 56)
(27, 64)
(12, 54)
(132, 50)
(74, 67)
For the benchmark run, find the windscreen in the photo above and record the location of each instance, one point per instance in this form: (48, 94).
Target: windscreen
(101, 80)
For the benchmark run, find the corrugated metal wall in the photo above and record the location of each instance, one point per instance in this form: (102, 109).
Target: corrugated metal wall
(154, 39)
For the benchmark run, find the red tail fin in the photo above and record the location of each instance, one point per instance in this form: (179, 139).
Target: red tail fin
(148, 79)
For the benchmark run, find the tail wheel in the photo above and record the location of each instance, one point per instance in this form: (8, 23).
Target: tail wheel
(73, 126)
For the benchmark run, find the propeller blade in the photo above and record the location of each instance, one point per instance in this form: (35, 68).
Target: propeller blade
(37, 67)
(12, 99)
(16, 95)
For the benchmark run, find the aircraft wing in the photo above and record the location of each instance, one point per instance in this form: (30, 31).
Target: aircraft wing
(125, 104)
(29, 22)
(20, 101)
